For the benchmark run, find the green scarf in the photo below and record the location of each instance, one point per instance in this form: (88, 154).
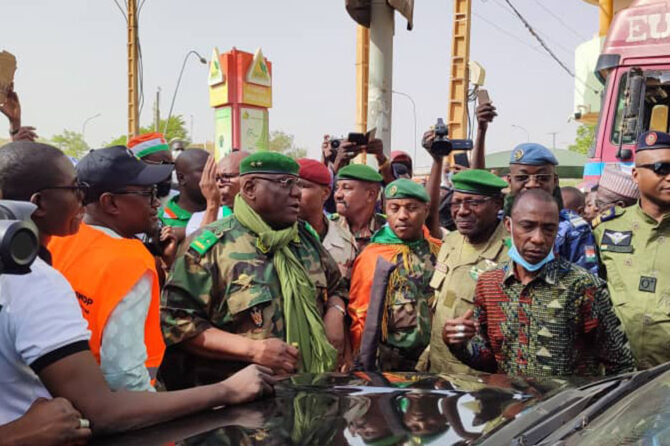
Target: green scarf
(304, 325)
(386, 236)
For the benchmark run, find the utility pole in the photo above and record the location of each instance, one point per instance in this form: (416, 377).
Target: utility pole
(157, 111)
(553, 145)
(133, 112)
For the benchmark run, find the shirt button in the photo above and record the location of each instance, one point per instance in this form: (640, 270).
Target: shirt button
(647, 320)
(628, 262)
(636, 226)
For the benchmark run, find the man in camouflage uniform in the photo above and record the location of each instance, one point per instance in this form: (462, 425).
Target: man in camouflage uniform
(475, 247)
(533, 166)
(390, 296)
(237, 297)
(356, 193)
(635, 258)
(316, 189)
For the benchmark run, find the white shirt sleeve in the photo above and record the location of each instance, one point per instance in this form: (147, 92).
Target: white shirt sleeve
(196, 220)
(123, 352)
(45, 311)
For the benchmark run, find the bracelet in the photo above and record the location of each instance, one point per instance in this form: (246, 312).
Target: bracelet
(338, 308)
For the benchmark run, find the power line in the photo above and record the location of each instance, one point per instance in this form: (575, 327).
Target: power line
(560, 20)
(123, 13)
(546, 48)
(509, 34)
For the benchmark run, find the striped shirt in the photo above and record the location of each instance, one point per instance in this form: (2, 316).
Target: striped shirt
(561, 323)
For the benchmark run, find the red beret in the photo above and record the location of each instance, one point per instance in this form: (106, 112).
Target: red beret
(314, 171)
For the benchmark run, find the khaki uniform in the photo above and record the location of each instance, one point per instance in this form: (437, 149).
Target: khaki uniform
(459, 264)
(362, 237)
(341, 245)
(635, 254)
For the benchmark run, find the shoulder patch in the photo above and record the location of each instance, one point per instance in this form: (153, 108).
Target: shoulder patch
(607, 215)
(204, 242)
(577, 221)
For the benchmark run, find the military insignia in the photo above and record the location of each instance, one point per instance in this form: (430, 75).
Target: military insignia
(475, 272)
(441, 267)
(590, 253)
(257, 316)
(651, 138)
(647, 284)
(617, 241)
(393, 190)
(577, 221)
(518, 154)
(204, 242)
(244, 280)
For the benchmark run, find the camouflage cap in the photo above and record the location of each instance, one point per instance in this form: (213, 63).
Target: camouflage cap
(478, 181)
(405, 188)
(359, 172)
(268, 162)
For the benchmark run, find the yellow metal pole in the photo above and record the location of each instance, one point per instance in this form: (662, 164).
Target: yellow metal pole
(362, 70)
(606, 15)
(458, 82)
(133, 114)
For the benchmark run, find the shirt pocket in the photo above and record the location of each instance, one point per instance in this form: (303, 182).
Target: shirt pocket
(403, 313)
(251, 308)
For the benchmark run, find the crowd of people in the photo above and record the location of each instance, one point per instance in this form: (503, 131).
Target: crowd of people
(168, 283)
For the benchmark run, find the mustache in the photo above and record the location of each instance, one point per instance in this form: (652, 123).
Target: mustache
(342, 202)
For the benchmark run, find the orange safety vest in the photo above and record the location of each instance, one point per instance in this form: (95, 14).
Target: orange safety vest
(102, 270)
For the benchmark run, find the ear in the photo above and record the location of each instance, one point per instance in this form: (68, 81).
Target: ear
(180, 178)
(38, 201)
(248, 189)
(507, 221)
(108, 205)
(634, 174)
(325, 193)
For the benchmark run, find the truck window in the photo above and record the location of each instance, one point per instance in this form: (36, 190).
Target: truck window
(656, 103)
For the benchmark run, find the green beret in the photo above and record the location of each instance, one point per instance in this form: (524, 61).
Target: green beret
(478, 181)
(404, 188)
(359, 172)
(268, 162)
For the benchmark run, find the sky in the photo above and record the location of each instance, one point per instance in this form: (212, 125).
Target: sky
(72, 65)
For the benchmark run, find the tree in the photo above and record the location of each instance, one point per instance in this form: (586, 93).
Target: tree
(71, 143)
(176, 129)
(586, 136)
(284, 143)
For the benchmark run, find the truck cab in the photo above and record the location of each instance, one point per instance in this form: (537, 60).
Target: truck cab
(634, 66)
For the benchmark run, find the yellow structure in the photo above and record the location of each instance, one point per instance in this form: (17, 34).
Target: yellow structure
(459, 80)
(607, 10)
(362, 71)
(133, 114)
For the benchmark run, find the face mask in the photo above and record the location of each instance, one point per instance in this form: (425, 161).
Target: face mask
(516, 257)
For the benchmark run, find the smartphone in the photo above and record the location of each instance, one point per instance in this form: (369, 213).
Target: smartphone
(357, 138)
(461, 158)
(483, 96)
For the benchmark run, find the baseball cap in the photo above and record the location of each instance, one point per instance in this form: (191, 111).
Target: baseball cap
(114, 167)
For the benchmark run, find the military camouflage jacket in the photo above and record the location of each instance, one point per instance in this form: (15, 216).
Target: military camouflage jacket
(224, 281)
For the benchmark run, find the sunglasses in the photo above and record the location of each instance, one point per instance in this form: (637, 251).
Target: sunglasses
(541, 178)
(660, 168)
(80, 188)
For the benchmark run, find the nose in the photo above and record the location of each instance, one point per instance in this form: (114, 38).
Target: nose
(532, 183)
(338, 194)
(296, 191)
(537, 238)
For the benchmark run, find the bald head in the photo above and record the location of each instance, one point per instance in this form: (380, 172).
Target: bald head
(191, 159)
(189, 167)
(573, 199)
(228, 176)
(22, 171)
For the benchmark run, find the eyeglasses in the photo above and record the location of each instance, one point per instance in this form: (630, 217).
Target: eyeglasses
(660, 168)
(542, 178)
(80, 188)
(285, 183)
(226, 178)
(152, 193)
(471, 203)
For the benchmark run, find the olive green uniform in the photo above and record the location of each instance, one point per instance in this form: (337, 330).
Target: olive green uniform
(459, 264)
(635, 255)
(224, 281)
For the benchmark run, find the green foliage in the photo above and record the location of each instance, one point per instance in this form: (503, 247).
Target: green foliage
(70, 142)
(586, 136)
(176, 129)
(285, 143)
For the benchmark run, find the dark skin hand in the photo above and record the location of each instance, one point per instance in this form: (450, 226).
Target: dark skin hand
(46, 423)
(345, 153)
(459, 330)
(485, 114)
(78, 378)
(376, 148)
(433, 187)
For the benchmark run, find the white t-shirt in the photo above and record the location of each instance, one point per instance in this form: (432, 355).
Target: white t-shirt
(40, 323)
(196, 220)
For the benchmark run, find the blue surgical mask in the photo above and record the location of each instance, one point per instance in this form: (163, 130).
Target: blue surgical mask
(516, 257)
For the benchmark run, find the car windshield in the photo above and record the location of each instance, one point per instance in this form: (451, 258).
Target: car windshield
(643, 417)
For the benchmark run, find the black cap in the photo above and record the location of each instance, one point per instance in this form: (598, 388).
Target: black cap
(115, 167)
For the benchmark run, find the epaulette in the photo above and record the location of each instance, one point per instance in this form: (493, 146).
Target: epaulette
(607, 215)
(334, 217)
(210, 236)
(577, 221)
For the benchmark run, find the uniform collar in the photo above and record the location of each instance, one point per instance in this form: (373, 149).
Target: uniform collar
(489, 249)
(648, 219)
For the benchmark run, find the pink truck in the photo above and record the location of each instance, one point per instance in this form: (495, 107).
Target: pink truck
(635, 67)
